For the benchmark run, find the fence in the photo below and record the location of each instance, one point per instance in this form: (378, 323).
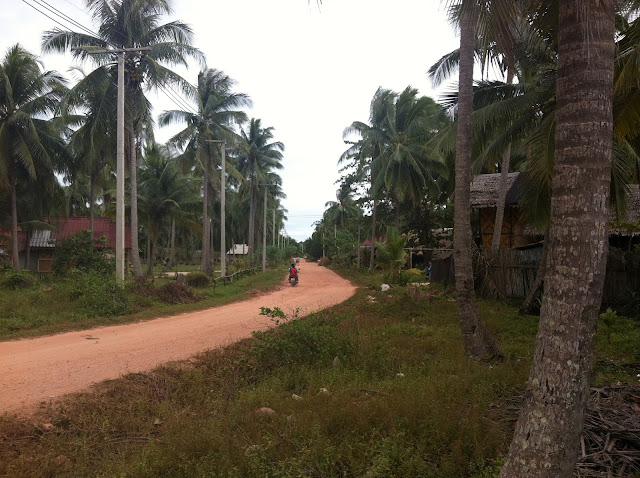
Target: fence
(512, 272)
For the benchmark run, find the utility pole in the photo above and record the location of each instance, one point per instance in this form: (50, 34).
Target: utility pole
(223, 194)
(120, 54)
(273, 234)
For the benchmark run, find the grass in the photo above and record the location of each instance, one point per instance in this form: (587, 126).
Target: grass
(362, 389)
(51, 306)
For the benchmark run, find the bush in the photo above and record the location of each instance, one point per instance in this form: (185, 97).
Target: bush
(176, 293)
(325, 261)
(18, 280)
(99, 295)
(80, 252)
(197, 279)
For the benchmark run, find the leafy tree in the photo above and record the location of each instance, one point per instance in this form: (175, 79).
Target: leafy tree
(27, 95)
(391, 254)
(217, 111)
(132, 24)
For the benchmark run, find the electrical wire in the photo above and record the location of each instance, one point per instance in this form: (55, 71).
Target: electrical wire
(176, 99)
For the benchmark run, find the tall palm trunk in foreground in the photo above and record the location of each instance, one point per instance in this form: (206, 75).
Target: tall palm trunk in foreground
(548, 431)
(478, 343)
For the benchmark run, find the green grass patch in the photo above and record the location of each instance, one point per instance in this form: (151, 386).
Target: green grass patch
(376, 388)
(82, 301)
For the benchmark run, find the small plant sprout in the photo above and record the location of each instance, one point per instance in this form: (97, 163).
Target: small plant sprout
(609, 318)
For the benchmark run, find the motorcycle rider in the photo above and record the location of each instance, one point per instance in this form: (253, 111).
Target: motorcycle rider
(293, 272)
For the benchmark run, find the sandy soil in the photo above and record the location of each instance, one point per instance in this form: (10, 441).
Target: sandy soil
(39, 370)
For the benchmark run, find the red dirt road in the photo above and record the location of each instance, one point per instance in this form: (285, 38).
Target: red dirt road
(42, 369)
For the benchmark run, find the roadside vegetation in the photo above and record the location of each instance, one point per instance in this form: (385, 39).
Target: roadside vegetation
(378, 386)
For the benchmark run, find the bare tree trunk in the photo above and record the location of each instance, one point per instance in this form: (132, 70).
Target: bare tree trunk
(92, 198)
(151, 252)
(15, 245)
(252, 220)
(502, 191)
(133, 176)
(27, 254)
(206, 225)
(546, 438)
(373, 234)
(149, 266)
(172, 243)
(478, 343)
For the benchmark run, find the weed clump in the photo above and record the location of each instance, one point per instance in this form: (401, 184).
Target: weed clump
(197, 279)
(18, 280)
(176, 293)
(98, 295)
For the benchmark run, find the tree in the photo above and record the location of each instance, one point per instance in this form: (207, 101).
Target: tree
(478, 343)
(258, 157)
(546, 438)
(165, 195)
(217, 111)
(27, 94)
(129, 24)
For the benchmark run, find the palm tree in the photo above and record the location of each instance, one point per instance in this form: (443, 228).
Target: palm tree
(27, 94)
(132, 24)
(369, 146)
(578, 242)
(258, 157)
(344, 208)
(165, 196)
(407, 170)
(217, 112)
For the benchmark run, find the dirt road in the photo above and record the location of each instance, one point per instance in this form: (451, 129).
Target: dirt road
(42, 369)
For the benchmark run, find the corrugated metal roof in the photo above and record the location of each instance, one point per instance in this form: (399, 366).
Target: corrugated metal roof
(42, 238)
(239, 249)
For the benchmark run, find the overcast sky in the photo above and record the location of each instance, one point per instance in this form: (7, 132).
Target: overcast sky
(309, 70)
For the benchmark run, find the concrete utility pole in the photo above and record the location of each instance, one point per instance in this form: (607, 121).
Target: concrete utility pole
(223, 194)
(120, 53)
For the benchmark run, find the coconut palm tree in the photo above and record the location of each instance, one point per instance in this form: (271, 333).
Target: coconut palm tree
(165, 196)
(258, 157)
(578, 242)
(27, 94)
(132, 24)
(217, 111)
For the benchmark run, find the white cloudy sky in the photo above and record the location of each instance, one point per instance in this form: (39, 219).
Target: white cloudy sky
(310, 71)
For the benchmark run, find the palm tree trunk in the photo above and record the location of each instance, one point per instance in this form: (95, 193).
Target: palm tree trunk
(172, 243)
(546, 438)
(478, 343)
(151, 251)
(252, 224)
(92, 197)
(133, 176)
(15, 245)
(502, 191)
(373, 234)
(206, 225)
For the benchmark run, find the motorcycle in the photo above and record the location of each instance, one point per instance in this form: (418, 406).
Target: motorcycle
(293, 280)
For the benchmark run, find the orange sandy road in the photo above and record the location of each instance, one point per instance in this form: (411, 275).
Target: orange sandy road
(41, 369)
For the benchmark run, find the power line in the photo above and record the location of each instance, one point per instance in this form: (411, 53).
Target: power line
(175, 98)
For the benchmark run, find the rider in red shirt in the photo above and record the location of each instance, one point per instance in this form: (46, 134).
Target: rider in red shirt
(293, 272)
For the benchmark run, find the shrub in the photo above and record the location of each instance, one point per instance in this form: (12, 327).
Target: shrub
(197, 279)
(99, 295)
(18, 280)
(80, 252)
(176, 293)
(324, 261)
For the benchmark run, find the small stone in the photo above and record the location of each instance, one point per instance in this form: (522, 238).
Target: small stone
(265, 412)
(324, 391)
(296, 397)
(400, 374)
(48, 426)
(252, 449)
(60, 459)
(336, 362)
(157, 422)
(385, 287)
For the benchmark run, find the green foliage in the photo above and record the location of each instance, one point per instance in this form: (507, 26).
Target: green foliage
(79, 252)
(197, 279)
(18, 279)
(609, 318)
(391, 255)
(99, 295)
(176, 292)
